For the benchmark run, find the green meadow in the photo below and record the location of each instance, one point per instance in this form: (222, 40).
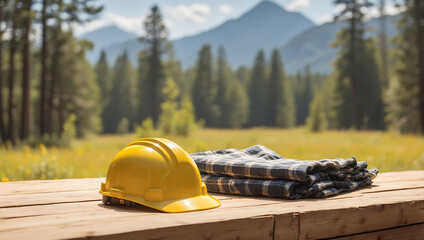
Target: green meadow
(90, 157)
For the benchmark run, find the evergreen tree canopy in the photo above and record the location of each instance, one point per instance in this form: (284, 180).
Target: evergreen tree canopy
(243, 75)
(168, 115)
(280, 104)
(156, 39)
(222, 79)
(356, 99)
(317, 121)
(204, 88)
(121, 104)
(236, 108)
(403, 95)
(80, 93)
(104, 79)
(257, 92)
(306, 93)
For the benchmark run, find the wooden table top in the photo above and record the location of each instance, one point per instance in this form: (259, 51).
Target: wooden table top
(72, 208)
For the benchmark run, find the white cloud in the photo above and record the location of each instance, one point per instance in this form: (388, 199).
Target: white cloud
(195, 12)
(134, 25)
(225, 8)
(298, 4)
(130, 24)
(325, 18)
(339, 8)
(390, 10)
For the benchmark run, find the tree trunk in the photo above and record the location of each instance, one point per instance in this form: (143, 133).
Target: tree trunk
(26, 79)
(419, 8)
(352, 62)
(383, 45)
(55, 72)
(44, 52)
(11, 108)
(61, 112)
(2, 126)
(52, 91)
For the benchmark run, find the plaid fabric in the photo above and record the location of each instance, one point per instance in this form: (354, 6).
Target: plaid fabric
(259, 171)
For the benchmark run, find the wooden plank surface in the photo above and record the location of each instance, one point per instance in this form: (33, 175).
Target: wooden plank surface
(411, 232)
(72, 209)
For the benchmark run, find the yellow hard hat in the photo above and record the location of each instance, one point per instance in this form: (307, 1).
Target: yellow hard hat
(157, 173)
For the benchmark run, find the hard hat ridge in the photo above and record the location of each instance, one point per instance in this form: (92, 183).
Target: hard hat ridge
(157, 173)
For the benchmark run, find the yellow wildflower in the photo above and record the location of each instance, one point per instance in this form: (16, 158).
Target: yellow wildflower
(27, 151)
(27, 171)
(43, 150)
(80, 151)
(5, 179)
(55, 178)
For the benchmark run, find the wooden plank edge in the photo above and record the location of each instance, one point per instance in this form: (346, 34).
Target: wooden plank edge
(412, 232)
(348, 221)
(259, 227)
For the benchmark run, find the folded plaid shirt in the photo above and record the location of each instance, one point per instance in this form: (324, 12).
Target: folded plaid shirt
(259, 171)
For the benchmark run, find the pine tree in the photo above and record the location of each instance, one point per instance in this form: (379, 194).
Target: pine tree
(403, 96)
(13, 44)
(305, 96)
(242, 75)
(356, 100)
(54, 15)
(204, 88)
(121, 104)
(350, 47)
(281, 110)
(79, 91)
(43, 78)
(384, 57)
(103, 75)
(174, 70)
(317, 120)
(236, 108)
(257, 92)
(222, 79)
(168, 114)
(3, 28)
(26, 120)
(186, 120)
(144, 94)
(155, 38)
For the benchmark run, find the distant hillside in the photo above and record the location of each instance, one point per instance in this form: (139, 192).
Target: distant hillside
(265, 26)
(313, 45)
(104, 37)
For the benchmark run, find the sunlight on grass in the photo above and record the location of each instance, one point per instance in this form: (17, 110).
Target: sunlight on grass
(91, 157)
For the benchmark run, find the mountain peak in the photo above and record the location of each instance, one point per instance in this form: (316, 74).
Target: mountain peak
(265, 8)
(268, 4)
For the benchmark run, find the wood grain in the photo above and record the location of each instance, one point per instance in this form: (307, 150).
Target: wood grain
(56, 209)
(330, 223)
(411, 232)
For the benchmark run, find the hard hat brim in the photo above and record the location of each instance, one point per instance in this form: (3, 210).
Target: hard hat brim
(202, 202)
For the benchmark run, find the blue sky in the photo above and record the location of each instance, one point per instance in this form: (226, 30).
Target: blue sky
(188, 17)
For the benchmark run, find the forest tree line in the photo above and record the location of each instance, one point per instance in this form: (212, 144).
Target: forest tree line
(46, 88)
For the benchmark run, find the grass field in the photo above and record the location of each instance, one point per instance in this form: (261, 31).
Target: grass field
(90, 157)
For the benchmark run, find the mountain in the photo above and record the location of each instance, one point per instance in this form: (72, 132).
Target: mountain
(266, 26)
(313, 45)
(104, 37)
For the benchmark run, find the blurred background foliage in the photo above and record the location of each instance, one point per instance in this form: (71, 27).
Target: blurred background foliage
(51, 95)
